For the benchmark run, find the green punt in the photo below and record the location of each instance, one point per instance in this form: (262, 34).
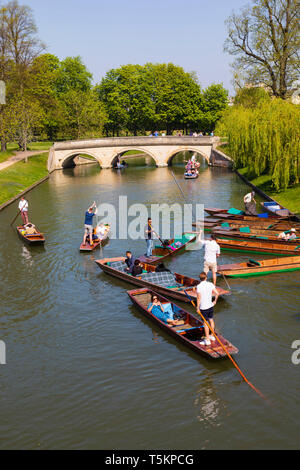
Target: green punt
(259, 246)
(261, 268)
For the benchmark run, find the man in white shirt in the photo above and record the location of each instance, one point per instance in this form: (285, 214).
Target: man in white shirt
(205, 303)
(212, 252)
(23, 208)
(250, 204)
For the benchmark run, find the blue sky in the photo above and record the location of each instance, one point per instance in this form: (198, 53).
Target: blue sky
(110, 33)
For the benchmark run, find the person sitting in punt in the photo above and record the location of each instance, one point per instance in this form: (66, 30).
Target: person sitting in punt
(129, 261)
(29, 229)
(292, 234)
(288, 236)
(137, 269)
(100, 231)
(161, 268)
(162, 313)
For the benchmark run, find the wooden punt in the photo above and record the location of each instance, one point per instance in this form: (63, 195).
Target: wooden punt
(225, 214)
(259, 228)
(258, 223)
(265, 237)
(276, 209)
(161, 253)
(32, 239)
(190, 333)
(172, 285)
(258, 246)
(261, 267)
(87, 248)
(191, 177)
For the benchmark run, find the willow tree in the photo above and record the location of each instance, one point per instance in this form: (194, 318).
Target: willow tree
(264, 38)
(265, 140)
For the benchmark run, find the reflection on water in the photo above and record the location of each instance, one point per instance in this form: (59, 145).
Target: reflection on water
(87, 370)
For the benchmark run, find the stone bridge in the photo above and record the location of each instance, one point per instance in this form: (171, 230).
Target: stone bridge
(105, 151)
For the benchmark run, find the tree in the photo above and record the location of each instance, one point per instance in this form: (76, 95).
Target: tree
(83, 114)
(73, 75)
(251, 97)
(265, 40)
(154, 96)
(29, 118)
(215, 101)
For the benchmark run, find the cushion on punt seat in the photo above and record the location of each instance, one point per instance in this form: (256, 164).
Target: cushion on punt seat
(119, 266)
(163, 279)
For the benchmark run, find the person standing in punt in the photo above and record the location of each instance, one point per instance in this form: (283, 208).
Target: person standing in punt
(212, 252)
(23, 208)
(88, 224)
(205, 303)
(149, 235)
(250, 204)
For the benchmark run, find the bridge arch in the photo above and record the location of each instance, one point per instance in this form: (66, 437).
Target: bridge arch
(146, 151)
(68, 160)
(173, 153)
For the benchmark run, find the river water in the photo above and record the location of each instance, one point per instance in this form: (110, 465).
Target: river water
(85, 370)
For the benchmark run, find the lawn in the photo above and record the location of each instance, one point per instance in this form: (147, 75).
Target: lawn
(13, 148)
(20, 176)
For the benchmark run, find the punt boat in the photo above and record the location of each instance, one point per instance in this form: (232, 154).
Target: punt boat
(175, 246)
(260, 268)
(276, 209)
(259, 246)
(97, 241)
(190, 332)
(36, 238)
(165, 283)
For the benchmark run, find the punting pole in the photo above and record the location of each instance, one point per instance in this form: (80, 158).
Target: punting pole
(15, 218)
(193, 216)
(225, 349)
(178, 185)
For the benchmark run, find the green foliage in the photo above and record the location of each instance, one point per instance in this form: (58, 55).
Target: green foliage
(264, 38)
(265, 139)
(251, 97)
(73, 75)
(158, 96)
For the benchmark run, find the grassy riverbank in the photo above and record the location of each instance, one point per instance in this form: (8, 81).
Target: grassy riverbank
(289, 198)
(21, 176)
(13, 148)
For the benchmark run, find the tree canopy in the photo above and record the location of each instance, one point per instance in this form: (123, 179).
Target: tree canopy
(264, 38)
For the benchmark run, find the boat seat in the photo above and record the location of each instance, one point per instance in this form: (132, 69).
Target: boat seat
(164, 279)
(119, 265)
(188, 329)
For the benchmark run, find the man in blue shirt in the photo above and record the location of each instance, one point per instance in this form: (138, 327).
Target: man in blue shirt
(88, 223)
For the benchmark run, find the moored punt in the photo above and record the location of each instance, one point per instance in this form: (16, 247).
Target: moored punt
(254, 235)
(166, 283)
(97, 242)
(259, 246)
(36, 238)
(257, 222)
(238, 214)
(161, 253)
(276, 209)
(272, 229)
(190, 333)
(261, 267)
